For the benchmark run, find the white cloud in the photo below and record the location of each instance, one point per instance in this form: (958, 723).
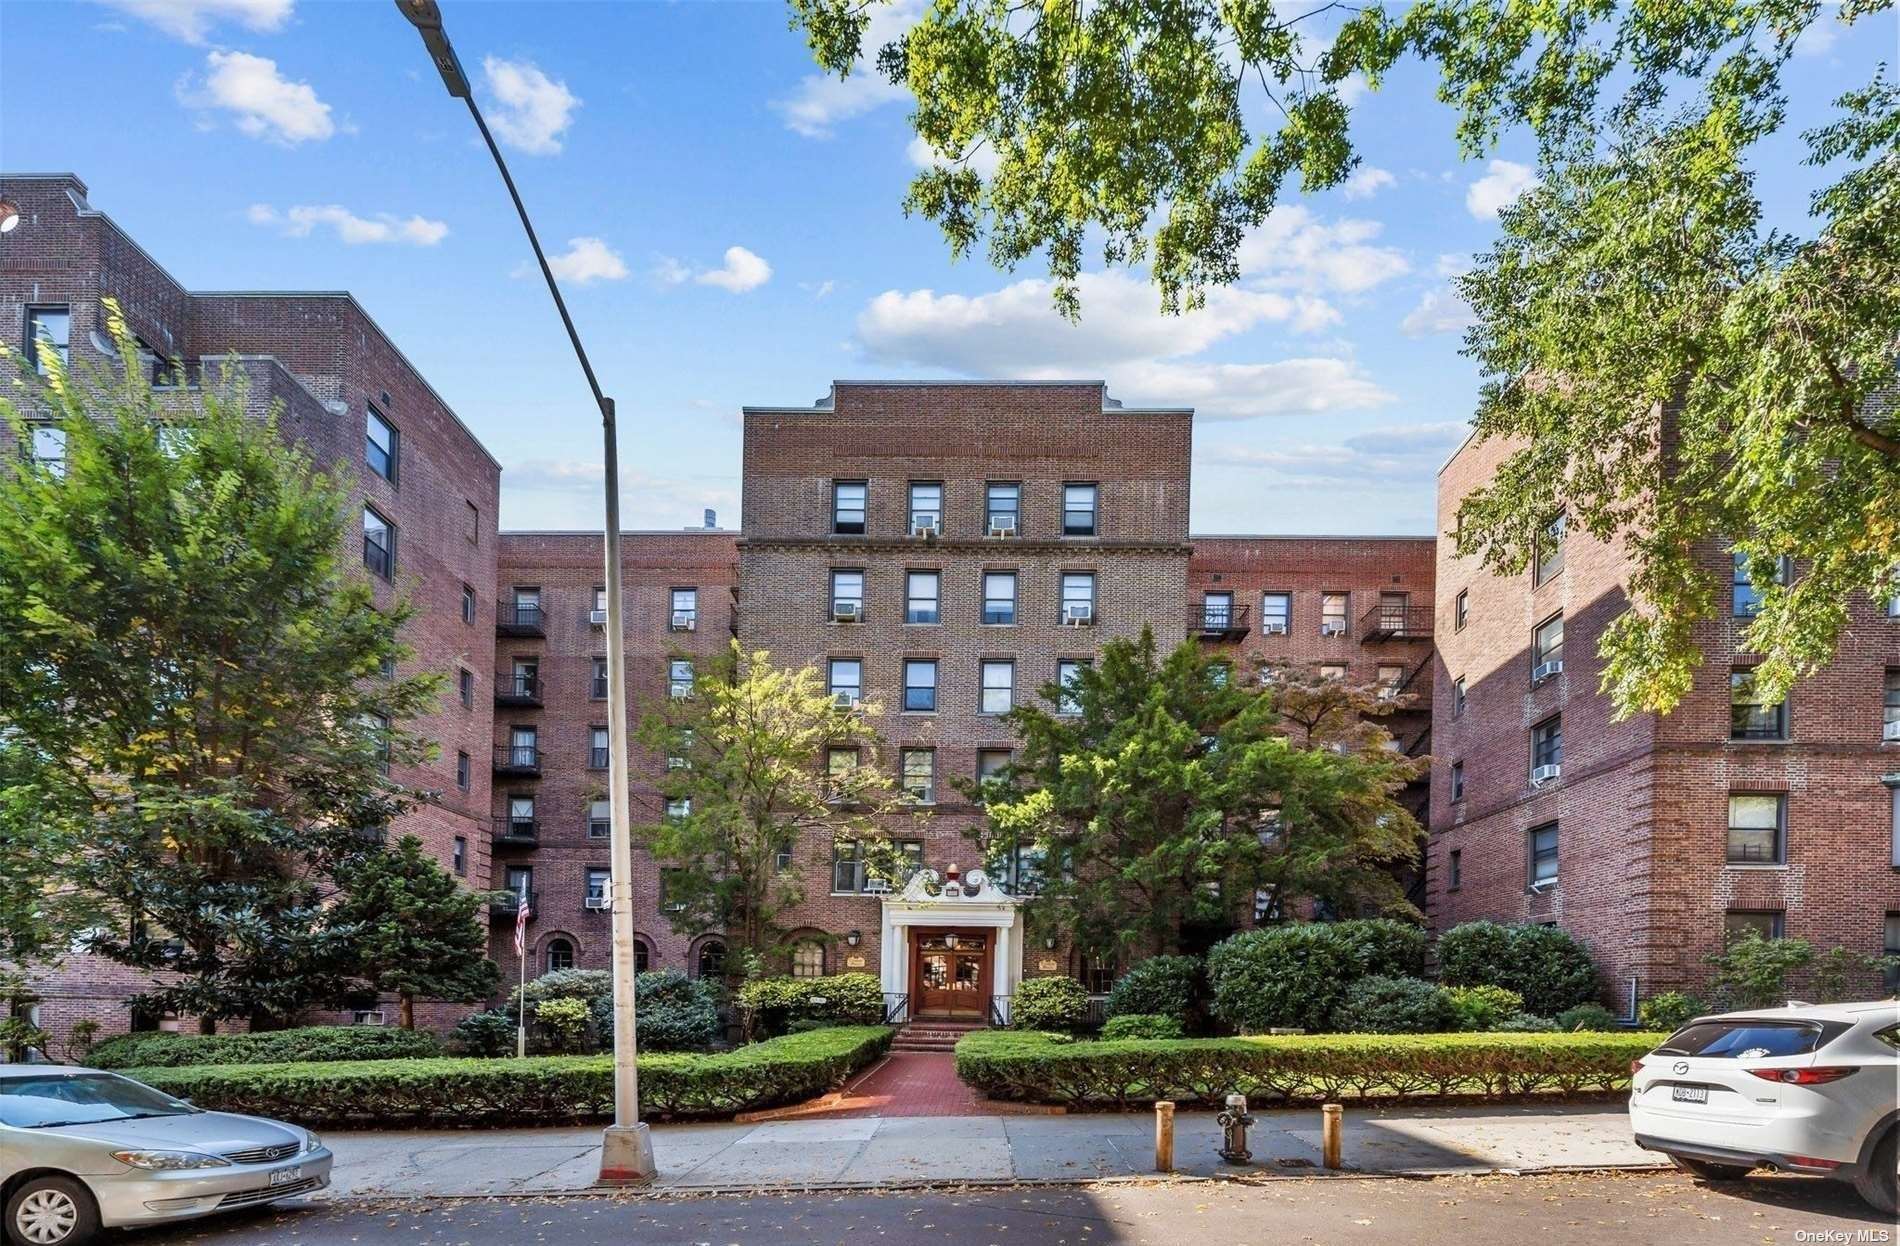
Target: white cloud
(670, 272)
(1452, 264)
(984, 159)
(1441, 310)
(1382, 456)
(534, 109)
(1293, 248)
(818, 289)
(1504, 181)
(1367, 181)
(262, 101)
(820, 101)
(192, 20)
(1819, 38)
(585, 261)
(1146, 356)
(741, 272)
(354, 230)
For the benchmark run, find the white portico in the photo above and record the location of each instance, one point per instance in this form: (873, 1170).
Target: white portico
(952, 946)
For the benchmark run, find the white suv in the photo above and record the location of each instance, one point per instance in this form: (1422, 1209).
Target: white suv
(1802, 1089)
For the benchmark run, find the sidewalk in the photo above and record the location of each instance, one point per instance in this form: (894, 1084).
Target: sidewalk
(915, 1150)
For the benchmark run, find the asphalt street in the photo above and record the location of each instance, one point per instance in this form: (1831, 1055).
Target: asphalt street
(1604, 1209)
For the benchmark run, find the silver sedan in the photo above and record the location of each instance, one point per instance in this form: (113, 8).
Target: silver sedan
(81, 1149)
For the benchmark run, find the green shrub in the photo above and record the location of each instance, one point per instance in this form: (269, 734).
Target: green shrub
(1053, 1003)
(671, 1011)
(1284, 976)
(770, 1005)
(1752, 972)
(1669, 1011)
(567, 1024)
(1383, 947)
(1586, 1017)
(1526, 1023)
(1482, 1007)
(314, 1042)
(537, 1090)
(587, 985)
(1167, 986)
(1381, 1005)
(1303, 1068)
(490, 1033)
(1143, 1025)
(1544, 964)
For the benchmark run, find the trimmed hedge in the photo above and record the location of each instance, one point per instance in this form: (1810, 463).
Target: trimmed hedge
(1052, 1068)
(772, 1004)
(1167, 986)
(537, 1090)
(1382, 1005)
(1053, 1003)
(312, 1042)
(1143, 1025)
(1543, 964)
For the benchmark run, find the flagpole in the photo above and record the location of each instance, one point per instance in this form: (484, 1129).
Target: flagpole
(521, 954)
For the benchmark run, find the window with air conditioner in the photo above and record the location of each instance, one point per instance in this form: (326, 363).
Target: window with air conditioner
(597, 615)
(679, 678)
(685, 609)
(1547, 749)
(1002, 507)
(919, 774)
(1333, 612)
(847, 595)
(845, 680)
(998, 687)
(1547, 649)
(1541, 849)
(847, 506)
(920, 685)
(1276, 613)
(999, 597)
(923, 591)
(926, 508)
(1078, 509)
(1078, 598)
(600, 883)
(1757, 826)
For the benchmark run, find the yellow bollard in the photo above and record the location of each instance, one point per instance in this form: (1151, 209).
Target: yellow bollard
(1164, 1136)
(1331, 1125)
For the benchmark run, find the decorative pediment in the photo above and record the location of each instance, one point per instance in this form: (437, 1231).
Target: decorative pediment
(973, 887)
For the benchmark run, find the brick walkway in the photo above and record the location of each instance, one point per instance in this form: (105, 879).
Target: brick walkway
(905, 1083)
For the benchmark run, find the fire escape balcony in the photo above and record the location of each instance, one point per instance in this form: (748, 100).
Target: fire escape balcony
(1396, 622)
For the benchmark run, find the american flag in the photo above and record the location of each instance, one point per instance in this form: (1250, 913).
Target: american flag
(521, 925)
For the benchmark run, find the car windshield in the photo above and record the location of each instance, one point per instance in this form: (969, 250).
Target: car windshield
(80, 1099)
(1743, 1040)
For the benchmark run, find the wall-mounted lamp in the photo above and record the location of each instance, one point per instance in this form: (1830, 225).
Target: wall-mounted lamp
(950, 941)
(854, 938)
(9, 216)
(1049, 943)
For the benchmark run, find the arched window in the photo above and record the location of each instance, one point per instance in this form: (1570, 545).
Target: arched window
(642, 955)
(712, 959)
(560, 955)
(808, 959)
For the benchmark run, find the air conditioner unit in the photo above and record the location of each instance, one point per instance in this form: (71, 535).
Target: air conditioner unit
(1077, 613)
(876, 887)
(1389, 693)
(846, 611)
(685, 621)
(371, 1016)
(598, 902)
(1539, 888)
(845, 700)
(1273, 629)
(1890, 731)
(923, 526)
(1332, 629)
(1545, 670)
(1002, 525)
(597, 617)
(1543, 774)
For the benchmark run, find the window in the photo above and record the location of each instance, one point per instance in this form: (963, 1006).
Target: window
(679, 808)
(379, 544)
(527, 605)
(600, 819)
(846, 680)
(920, 775)
(520, 880)
(1217, 611)
(679, 678)
(1547, 645)
(465, 682)
(597, 680)
(1891, 948)
(991, 762)
(598, 748)
(1457, 780)
(1543, 855)
(1890, 706)
(378, 725)
(847, 868)
(461, 770)
(1276, 613)
(1757, 827)
(560, 955)
(847, 594)
(521, 816)
(808, 959)
(1747, 597)
(711, 962)
(600, 885)
(1332, 613)
(46, 448)
(1454, 869)
(523, 747)
(1068, 673)
(1751, 718)
(1547, 743)
(922, 591)
(840, 761)
(1549, 552)
(926, 506)
(847, 505)
(380, 443)
(1332, 670)
(1078, 510)
(51, 325)
(999, 596)
(1078, 597)
(685, 609)
(600, 601)
(920, 685)
(1460, 610)
(1002, 502)
(474, 514)
(1768, 923)
(468, 604)
(999, 686)
(525, 678)
(458, 856)
(1458, 697)
(1390, 676)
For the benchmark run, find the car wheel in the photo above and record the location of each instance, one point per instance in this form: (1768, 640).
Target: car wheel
(1879, 1181)
(51, 1211)
(1708, 1170)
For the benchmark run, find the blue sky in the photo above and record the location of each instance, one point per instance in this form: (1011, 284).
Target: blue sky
(730, 228)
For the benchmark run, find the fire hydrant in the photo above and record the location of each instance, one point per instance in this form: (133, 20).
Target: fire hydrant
(1233, 1123)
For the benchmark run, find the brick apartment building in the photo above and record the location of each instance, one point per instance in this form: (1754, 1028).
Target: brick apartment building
(1655, 838)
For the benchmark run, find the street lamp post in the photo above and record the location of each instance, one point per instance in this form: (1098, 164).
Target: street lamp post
(626, 1155)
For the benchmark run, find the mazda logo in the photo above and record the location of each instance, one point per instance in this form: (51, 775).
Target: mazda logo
(1679, 1067)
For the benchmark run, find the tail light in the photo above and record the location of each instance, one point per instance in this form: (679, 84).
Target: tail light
(1636, 1066)
(1805, 1077)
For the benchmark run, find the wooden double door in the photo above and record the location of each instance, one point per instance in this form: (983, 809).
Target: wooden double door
(950, 970)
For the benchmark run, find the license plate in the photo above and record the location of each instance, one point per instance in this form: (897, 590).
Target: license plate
(1689, 1094)
(284, 1176)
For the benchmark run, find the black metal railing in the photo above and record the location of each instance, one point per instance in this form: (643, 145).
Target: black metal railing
(999, 1010)
(1225, 620)
(518, 759)
(1395, 621)
(1097, 1014)
(514, 830)
(521, 618)
(896, 1007)
(507, 903)
(522, 689)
